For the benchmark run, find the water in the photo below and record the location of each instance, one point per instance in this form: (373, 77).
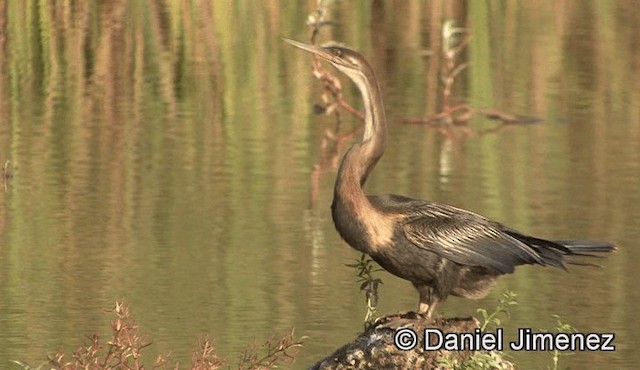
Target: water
(171, 157)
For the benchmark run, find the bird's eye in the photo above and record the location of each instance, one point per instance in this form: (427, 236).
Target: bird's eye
(337, 52)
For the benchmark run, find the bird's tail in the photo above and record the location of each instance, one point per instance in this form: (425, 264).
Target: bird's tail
(585, 248)
(558, 252)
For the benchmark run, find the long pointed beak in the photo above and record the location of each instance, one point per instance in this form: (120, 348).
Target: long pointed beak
(315, 50)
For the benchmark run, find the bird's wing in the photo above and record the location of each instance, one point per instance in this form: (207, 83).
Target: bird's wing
(466, 238)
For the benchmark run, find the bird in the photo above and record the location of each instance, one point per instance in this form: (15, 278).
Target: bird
(442, 250)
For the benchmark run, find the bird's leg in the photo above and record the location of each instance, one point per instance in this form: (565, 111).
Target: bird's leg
(432, 307)
(427, 302)
(426, 306)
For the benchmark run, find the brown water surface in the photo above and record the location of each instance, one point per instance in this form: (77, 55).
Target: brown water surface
(164, 152)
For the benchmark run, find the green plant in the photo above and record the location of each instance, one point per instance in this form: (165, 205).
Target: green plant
(508, 299)
(486, 359)
(369, 284)
(561, 327)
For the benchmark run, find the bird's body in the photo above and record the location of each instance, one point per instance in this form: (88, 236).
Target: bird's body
(440, 249)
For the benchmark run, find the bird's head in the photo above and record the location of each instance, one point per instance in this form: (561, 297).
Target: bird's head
(347, 60)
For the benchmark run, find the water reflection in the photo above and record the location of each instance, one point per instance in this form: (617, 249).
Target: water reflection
(166, 153)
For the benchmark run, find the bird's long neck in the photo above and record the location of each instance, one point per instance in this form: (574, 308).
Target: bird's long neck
(361, 158)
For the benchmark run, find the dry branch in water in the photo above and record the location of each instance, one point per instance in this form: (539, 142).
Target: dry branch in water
(454, 41)
(123, 351)
(283, 350)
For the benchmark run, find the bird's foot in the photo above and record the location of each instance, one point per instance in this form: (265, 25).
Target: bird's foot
(399, 320)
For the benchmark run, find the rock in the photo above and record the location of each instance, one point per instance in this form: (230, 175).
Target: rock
(375, 348)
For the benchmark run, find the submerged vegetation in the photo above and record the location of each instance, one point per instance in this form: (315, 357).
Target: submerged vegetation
(123, 350)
